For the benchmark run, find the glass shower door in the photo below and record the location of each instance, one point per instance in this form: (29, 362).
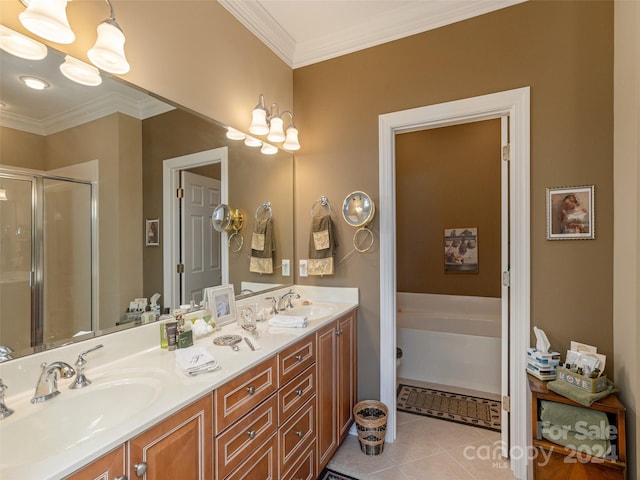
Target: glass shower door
(16, 261)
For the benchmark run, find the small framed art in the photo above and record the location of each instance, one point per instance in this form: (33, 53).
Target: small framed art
(570, 213)
(221, 301)
(152, 233)
(461, 250)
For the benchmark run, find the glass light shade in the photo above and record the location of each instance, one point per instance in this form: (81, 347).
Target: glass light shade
(233, 134)
(108, 51)
(80, 72)
(3, 194)
(259, 122)
(48, 19)
(276, 132)
(252, 142)
(291, 142)
(268, 149)
(20, 45)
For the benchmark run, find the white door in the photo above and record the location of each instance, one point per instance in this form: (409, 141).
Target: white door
(505, 240)
(200, 243)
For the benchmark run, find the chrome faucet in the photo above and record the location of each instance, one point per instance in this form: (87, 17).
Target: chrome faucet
(81, 381)
(274, 305)
(5, 353)
(47, 386)
(4, 410)
(287, 298)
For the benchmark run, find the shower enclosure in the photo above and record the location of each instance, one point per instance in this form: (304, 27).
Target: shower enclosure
(47, 252)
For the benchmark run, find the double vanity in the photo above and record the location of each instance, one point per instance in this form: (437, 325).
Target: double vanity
(279, 411)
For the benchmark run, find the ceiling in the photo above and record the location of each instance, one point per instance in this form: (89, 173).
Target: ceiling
(303, 32)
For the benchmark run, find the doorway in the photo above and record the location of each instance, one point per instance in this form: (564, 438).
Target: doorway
(172, 231)
(513, 107)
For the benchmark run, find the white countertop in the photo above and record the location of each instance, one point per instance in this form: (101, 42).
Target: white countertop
(51, 447)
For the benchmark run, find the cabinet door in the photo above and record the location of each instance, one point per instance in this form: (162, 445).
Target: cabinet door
(347, 372)
(178, 447)
(107, 467)
(327, 388)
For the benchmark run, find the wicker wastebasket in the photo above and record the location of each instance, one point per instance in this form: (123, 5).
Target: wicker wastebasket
(371, 422)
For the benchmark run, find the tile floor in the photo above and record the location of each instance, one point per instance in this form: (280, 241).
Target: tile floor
(427, 448)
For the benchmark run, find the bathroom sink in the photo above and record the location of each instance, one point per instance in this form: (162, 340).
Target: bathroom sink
(312, 312)
(75, 416)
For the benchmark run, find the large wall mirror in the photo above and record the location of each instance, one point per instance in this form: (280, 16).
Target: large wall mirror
(82, 221)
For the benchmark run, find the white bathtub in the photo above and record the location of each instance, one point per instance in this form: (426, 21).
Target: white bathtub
(450, 340)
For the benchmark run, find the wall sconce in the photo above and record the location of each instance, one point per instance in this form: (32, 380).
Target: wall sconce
(48, 19)
(270, 123)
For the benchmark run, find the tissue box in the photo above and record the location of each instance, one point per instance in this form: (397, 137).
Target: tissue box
(593, 385)
(543, 358)
(543, 372)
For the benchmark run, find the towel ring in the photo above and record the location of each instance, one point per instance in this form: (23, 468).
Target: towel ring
(265, 207)
(239, 241)
(323, 201)
(357, 242)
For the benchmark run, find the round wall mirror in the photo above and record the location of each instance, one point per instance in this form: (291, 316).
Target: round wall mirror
(358, 209)
(226, 220)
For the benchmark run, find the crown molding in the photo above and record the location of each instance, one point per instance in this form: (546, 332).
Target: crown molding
(90, 111)
(404, 21)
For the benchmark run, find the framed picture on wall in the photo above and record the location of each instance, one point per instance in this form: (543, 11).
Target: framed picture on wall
(152, 233)
(570, 213)
(461, 250)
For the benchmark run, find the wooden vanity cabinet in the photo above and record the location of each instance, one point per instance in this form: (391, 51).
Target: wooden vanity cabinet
(337, 384)
(178, 447)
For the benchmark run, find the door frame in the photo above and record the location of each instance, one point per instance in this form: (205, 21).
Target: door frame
(513, 104)
(171, 214)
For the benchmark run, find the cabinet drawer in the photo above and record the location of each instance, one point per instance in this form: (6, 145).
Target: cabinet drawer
(262, 464)
(297, 434)
(236, 443)
(244, 393)
(296, 393)
(296, 358)
(303, 468)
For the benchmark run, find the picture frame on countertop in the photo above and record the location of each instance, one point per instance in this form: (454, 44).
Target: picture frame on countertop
(221, 303)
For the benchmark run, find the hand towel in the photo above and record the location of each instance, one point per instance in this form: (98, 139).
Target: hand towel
(288, 321)
(195, 360)
(576, 441)
(595, 424)
(262, 247)
(322, 245)
(578, 395)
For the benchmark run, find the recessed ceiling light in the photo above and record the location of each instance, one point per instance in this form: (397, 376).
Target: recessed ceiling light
(35, 83)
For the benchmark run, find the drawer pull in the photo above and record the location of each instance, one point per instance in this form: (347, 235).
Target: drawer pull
(299, 357)
(252, 434)
(299, 392)
(299, 434)
(251, 390)
(339, 331)
(140, 469)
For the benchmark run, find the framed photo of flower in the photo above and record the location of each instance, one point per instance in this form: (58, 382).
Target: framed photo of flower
(570, 213)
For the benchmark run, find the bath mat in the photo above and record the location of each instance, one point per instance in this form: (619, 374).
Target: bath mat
(331, 475)
(465, 409)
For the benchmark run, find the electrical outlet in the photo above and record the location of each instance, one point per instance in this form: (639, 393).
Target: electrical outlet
(286, 270)
(303, 268)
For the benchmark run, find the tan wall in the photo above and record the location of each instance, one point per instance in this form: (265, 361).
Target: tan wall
(626, 253)
(21, 149)
(564, 51)
(446, 178)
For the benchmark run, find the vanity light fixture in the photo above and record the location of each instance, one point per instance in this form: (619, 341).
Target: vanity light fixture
(34, 82)
(270, 123)
(252, 142)
(48, 19)
(80, 72)
(268, 149)
(233, 134)
(20, 45)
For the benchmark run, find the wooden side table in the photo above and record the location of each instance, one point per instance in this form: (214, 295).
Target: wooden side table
(555, 462)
